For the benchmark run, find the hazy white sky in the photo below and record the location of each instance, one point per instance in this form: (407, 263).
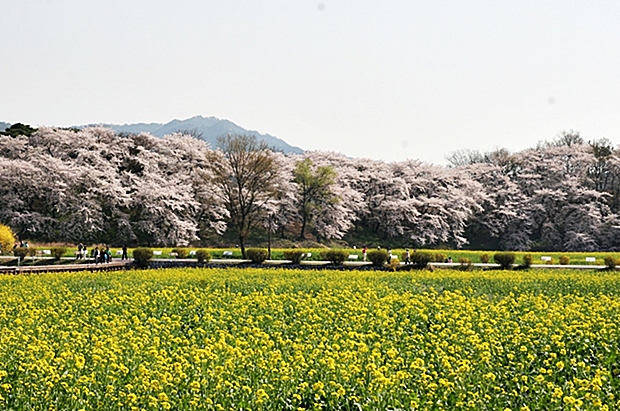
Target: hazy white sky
(381, 79)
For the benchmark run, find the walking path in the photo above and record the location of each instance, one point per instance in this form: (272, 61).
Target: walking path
(124, 264)
(28, 269)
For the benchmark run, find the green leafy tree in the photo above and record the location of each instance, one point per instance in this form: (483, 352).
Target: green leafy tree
(314, 185)
(18, 129)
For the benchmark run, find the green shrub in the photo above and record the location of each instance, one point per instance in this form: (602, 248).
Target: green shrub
(439, 258)
(378, 257)
(505, 260)
(485, 258)
(142, 256)
(527, 260)
(465, 263)
(181, 252)
(564, 260)
(256, 255)
(421, 259)
(20, 252)
(294, 255)
(58, 252)
(336, 256)
(610, 262)
(203, 256)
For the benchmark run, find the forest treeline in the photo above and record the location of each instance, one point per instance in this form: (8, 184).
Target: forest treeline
(97, 186)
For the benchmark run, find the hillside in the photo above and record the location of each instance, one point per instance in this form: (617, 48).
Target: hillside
(207, 128)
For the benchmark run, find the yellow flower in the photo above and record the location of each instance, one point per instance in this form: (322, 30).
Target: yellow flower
(569, 400)
(162, 396)
(79, 361)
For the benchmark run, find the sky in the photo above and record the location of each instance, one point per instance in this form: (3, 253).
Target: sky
(387, 80)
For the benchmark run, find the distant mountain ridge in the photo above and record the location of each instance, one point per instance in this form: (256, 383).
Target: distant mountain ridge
(206, 128)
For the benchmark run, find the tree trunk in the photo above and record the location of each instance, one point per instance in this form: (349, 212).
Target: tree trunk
(242, 245)
(302, 233)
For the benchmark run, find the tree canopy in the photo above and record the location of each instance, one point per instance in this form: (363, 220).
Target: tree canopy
(18, 129)
(97, 186)
(314, 190)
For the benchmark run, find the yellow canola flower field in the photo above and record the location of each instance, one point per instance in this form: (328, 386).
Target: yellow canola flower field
(269, 339)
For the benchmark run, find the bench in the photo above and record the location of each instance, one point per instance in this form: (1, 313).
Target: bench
(47, 252)
(119, 252)
(157, 252)
(545, 258)
(193, 252)
(227, 254)
(353, 256)
(590, 259)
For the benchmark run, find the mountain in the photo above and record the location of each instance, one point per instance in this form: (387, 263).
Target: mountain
(206, 128)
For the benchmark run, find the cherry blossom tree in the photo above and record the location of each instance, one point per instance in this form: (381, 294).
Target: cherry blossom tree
(554, 203)
(503, 222)
(95, 185)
